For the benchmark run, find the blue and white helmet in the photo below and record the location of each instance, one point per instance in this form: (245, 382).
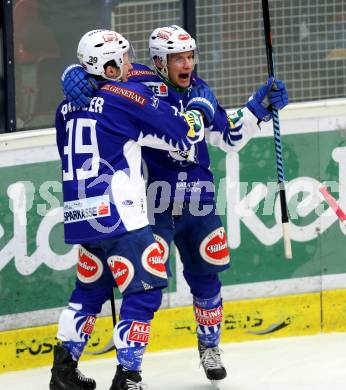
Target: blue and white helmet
(168, 40)
(97, 47)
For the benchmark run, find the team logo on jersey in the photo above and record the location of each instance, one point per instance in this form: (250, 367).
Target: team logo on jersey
(122, 270)
(155, 101)
(213, 248)
(126, 93)
(159, 88)
(89, 267)
(208, 317)
(139, 332)
(89, 325)
(184, 159)
(152, 261)
(163, 245)
(88, 208)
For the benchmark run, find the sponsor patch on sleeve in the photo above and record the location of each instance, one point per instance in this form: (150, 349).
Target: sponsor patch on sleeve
(140, 72)
(129, 94)
(158, 87)
(89, 208)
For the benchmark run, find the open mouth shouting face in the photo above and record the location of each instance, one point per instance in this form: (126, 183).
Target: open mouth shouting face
(180, 67)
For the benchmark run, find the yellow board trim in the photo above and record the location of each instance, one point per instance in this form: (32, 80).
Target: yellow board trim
(293, 315)
(334, 311)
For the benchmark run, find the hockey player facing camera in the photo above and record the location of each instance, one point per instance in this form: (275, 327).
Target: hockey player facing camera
(184, 211)
(105, 206)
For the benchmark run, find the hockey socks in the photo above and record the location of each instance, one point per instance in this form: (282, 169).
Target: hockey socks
(75, 328)
(130, 339)
(208, 315)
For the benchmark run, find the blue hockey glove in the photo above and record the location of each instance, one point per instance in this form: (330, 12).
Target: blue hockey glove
(78, 86)
(271, 94)
(258, 103)
(203, 99)
(278, 96)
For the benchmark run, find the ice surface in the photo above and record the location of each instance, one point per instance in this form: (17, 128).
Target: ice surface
(295, 363)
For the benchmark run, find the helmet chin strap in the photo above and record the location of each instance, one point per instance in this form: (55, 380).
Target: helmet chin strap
(163, 73)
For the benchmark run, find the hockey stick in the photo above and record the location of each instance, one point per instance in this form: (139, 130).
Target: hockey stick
(277, 135)
(110, 346)
(333, 204)
(112, 299)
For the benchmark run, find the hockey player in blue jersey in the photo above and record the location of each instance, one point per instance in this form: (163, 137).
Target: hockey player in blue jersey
(105, 207)
(175, 210)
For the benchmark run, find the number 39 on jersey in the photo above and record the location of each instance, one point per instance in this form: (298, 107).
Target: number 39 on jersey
(85, 155)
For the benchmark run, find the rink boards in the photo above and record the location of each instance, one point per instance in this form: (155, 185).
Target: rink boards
(256, 319)
(37, 269)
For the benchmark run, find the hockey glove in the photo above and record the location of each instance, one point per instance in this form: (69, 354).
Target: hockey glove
(78, 86)
(273, 93)
(278, 96)
(203, 99)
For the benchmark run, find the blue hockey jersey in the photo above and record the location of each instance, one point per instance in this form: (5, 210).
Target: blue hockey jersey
(100, 151)
(188, 178)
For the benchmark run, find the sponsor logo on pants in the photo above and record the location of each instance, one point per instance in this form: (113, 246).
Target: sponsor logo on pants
(139, 332)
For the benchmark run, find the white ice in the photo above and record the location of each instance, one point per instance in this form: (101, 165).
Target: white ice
(294, 363)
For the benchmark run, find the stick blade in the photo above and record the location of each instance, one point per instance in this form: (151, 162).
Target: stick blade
(287, 240)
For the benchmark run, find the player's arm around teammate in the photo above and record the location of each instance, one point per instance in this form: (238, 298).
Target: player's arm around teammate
(201, 240)
(105, 208)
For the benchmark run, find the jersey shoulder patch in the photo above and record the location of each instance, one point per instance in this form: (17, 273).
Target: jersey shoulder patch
(159, 88)
(131, 92)
(141, 73)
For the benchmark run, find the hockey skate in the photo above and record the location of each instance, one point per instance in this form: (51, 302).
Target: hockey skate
(212, 365)
(65, 374)
(127, 380)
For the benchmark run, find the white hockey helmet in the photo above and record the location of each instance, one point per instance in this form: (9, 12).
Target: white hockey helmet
(97, 47)
(170, 39)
